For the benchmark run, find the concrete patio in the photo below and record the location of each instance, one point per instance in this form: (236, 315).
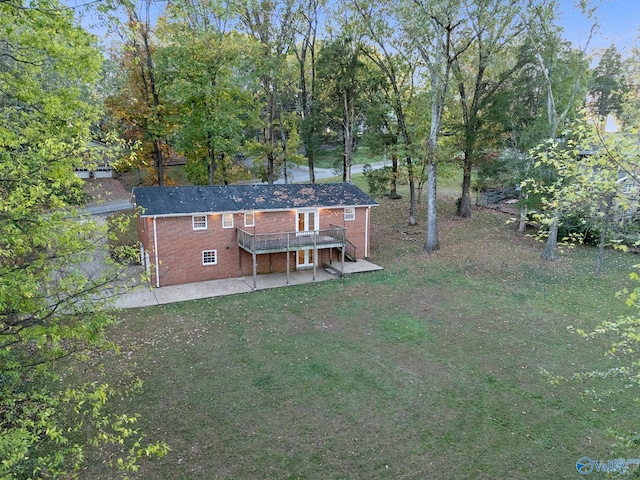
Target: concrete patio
(145, 296)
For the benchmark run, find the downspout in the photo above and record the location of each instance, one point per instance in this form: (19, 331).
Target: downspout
(366, 233)
(155, 251)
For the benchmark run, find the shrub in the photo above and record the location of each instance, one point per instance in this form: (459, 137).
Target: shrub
(378, 181)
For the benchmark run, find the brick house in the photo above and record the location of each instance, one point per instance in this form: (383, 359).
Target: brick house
(194, 234)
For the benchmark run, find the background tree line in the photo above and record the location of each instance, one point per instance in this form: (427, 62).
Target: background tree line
(473, 82)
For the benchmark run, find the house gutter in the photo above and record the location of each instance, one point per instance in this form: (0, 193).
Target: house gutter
(155, 252)
(268, 210)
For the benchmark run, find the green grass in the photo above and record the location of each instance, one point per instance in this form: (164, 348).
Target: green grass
(428, 369)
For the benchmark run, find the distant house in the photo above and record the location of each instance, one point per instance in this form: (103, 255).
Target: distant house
(628, 184)
(102, 169)
(193, 234)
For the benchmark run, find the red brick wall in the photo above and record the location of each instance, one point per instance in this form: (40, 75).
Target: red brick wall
(180, 247)
(271, 222)
(356, 229)
(180, 250)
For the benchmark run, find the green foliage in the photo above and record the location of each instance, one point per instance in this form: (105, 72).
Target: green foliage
(123, 236)
(198, 75)
(269, 29)
(630, 113)
(581, 182)
(54, 286)
(52, 434)
(345, 82)
(379, 180)
(607, 85)
(277, 153)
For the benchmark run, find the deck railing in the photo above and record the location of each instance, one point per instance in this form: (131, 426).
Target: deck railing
(350, 250)
(289, 241)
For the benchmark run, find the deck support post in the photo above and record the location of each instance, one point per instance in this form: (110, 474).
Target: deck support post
(288, 258)
(344, 247)
(315, 254)
(255, 271)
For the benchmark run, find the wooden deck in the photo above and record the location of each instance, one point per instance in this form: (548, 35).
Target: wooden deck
(259, 243)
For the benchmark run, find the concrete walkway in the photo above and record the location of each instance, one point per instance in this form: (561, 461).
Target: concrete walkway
(145, 296)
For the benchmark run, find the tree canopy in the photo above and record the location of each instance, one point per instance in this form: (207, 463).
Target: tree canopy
(53, 305)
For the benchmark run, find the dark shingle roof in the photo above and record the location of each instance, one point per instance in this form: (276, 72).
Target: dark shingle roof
(233, 198)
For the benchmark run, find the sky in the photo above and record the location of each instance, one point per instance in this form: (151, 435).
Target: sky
(619, 23)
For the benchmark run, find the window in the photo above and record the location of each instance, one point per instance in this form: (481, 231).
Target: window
(227, 220)
(249, 219)
(199, 222)
(349, 214)
(209, 257)
(628, 187)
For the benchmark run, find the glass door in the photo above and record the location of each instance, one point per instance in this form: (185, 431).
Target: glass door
(307, 224)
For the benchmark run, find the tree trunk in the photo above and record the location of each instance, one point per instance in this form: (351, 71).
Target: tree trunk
(348, 141)
(156, 103)
(468, 120)
(464, 209)
(157, 152)
(601, 244)
(312, 174)
(603, 235)
(437, 107)
(432, 244)
(522, 227)
(524, 196)
(407, 142)
(421, 181)
(412, 193)
(223, 167)
(307, 86)
(212, 165)
(269, 132)
(283, 139)
(549, 252)
(393, 194)
(270, 168)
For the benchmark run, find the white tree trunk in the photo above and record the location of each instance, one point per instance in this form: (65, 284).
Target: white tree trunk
(549, 252)
(522, 227)
(432, 244)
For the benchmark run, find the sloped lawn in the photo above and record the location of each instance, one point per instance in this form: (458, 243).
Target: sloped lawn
(429, 369)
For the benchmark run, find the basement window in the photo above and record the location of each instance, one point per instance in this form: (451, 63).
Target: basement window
(209, 257)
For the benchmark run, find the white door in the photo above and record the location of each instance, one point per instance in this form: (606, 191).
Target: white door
(307, 223)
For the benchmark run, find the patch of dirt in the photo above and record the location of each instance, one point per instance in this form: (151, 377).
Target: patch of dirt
(103, 190)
